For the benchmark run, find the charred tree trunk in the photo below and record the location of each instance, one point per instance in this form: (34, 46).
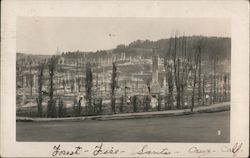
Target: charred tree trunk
(113, 87)
(214, 88)
(225, 87)
(88, 87)
(196, 61)
(193, 92)
(51, 110)
(203, 90)
(170, 89)
(40, 94)
(178, 88)
(30, 79)
(199, 78)
(229, 88)
(211, 90)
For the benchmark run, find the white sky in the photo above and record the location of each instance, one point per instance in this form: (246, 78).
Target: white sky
(42, 35)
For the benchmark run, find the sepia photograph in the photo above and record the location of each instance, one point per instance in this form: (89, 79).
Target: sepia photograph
(123, 79)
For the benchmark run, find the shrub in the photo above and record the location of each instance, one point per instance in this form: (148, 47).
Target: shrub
(146, 103)
(61, 109)
(134, 102)
(51, 110)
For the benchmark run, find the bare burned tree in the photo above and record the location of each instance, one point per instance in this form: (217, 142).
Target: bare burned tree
(186, 67)
(176, 60)
(211, 89)
(51, 110)
(217, 87)
(113, 87)
(199, 76)
(228, 87)
(169, 77)
(195, 68)
(215, 59)
(203, 89)
(221, 88)
(225, 87)
(182, 67)
(170, 87)
(40, 87)
(88, 86)
(30, 75)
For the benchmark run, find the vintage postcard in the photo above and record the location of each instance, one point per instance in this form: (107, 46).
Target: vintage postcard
(125, 79)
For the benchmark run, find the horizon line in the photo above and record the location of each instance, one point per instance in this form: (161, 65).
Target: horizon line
(93, 51)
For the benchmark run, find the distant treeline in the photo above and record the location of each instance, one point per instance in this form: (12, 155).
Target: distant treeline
(211, 46)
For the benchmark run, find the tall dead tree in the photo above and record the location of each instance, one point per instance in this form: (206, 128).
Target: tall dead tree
(217, 87)
(170, 96)
(88, 86)
(185, 69)
(51, 110)
(221, 88)
(199, 76)
(40, 87)
(204, 89)
(182, 68)
(195, 68)
(113, 87)
(228, 86)
(211, 90)
(30, 76)
(176, 61)
(169, 77)
(215, 78)
(225, 88)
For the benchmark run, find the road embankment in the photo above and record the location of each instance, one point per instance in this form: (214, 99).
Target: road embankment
(202, 109)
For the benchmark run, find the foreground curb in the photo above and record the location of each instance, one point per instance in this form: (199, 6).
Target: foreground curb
(203, 109)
